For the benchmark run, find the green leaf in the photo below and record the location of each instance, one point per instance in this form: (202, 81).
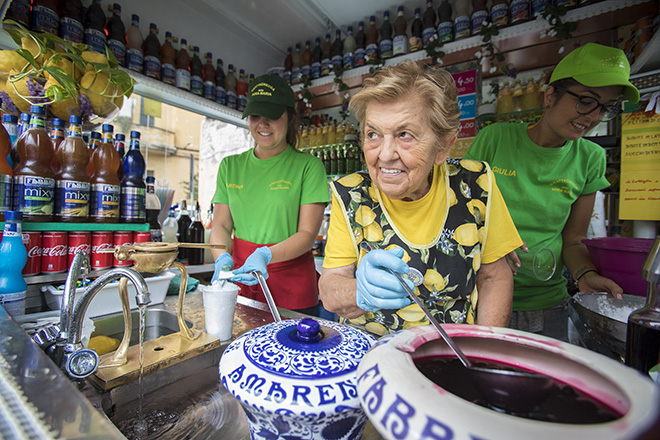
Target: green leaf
(63, 79)
(15, 34)
(123, 80)
(28, 56)
(56, 93)
(112, 60)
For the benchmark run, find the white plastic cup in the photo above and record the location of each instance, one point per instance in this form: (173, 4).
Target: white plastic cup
(219, 305)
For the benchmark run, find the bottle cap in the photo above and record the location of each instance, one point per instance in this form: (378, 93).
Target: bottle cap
(350, 29)
(57, 122)
(135, 134)
(116, 7)
(153, 26)
(209, 55)
(308, 43)
(75, 119)
(135, 17)
(168, 34)
(96, 135)
(184, 42)
(108, 127)
(151, 179)
(9, 118)
(39, 110)
(361, 24)
(120, 137)
(25, 117)
(13, 216)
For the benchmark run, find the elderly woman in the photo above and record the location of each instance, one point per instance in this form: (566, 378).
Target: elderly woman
(441, 223)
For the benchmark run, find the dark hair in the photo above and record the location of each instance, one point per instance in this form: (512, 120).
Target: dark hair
(293, 124)
(561, 85)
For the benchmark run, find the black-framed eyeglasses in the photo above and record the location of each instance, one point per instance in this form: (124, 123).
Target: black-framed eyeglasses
(586, 105)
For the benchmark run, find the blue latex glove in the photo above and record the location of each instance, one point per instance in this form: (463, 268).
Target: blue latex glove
(377, 288)
(258, 260)
(222, 264)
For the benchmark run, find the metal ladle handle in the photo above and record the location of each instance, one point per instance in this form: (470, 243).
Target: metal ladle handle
(464, 360)
(268, 295)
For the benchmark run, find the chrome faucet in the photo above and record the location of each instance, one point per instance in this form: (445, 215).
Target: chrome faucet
(66, 348)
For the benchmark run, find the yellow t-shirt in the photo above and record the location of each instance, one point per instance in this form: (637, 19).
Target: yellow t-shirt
(420, 221)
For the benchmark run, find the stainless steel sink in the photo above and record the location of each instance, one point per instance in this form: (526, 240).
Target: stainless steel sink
(158, 322)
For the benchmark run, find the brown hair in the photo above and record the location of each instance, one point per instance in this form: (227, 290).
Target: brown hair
(435, 86)
(293, 124)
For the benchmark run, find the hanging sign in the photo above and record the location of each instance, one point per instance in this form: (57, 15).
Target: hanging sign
(640, 165)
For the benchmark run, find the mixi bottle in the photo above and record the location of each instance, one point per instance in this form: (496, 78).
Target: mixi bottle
(117, 35)
(134, 41)
(13, 257)
(34, 183)
(133, 188)
(72, 181)
(105, 180)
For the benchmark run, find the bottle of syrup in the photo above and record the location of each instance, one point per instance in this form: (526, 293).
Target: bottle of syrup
(183, 66)
(337, 50)
(56, 136)
(120, 147)
(117, 35)
(306, 69)
(326, 56)
(230, 87)
(428, 20)
(106, 186)
(6, 174)
(94, 142)
(134, 40)
(445, 24)
(71, 21)
(416, 32)
(183, 222)
(479, 16)
(168, 60)
(33, 174)
(94, 23)
(400, 40)
(151, 49)
(520, 11)
(208, 74)
(220, 92)
(241, 90)
(196, 80)
(196, 235)
(462, 22)
(385, 43)
(371, 47)
(317, 56)
(288, 66)
(296, 65)
(133, 189)
(19, 10)
(349, 49)
(45, 17)
(72, 191)
(499, 13)
(643, 335)
(153, 210)
(360, 44)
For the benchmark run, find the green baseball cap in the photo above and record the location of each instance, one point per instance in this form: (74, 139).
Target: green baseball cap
(268, 96)
(595, 65)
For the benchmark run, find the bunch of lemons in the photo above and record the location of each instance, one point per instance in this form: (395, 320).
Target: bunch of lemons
(67, 78)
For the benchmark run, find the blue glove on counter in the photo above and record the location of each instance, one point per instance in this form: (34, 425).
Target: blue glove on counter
(258, 260)
(222, 264)
(377, 288)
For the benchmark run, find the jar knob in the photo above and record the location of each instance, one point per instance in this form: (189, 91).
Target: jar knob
(309, 330)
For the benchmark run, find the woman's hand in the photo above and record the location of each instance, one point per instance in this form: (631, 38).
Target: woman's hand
(377, 288)
(223, 263)
(592, 281)
(257, 261)
(513, 259)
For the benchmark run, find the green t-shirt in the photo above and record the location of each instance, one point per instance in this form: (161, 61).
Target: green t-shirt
(539, 186)
(264, 196)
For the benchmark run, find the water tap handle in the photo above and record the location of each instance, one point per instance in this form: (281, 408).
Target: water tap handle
(651, 267)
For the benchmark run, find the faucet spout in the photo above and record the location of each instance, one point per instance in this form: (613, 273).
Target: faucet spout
(80, 264)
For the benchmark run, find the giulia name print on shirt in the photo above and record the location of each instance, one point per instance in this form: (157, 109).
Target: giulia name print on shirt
(504, 171)
(280, 184)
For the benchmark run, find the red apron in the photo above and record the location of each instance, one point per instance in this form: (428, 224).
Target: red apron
(293, 283)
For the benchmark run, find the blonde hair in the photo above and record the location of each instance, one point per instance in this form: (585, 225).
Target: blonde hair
(435, 86)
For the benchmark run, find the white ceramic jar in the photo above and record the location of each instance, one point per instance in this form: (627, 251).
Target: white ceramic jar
(402, 403)
(296, 379)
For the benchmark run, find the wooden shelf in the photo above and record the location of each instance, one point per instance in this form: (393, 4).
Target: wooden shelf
(525, 45)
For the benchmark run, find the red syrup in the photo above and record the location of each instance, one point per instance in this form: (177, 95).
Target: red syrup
(565, 404)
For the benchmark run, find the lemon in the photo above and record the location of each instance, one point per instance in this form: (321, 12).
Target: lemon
(373, 192)
(373, 232)
(103, 344)
(63, 64)
(476, 262)
(100, 92)
(375, 328)
(16, 89)
(62, 109)
(364, 216)
(39, 54)
(405, 257)
(433, 281)
(467, 234)
(472, 165)
(483, 182)
(10, 60)
(411, 313)
(94, 57)
(478, 210)
(452, 198)
(360, 320)
(351, 180)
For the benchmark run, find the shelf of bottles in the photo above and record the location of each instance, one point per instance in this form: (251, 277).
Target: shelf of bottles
(526, 116)
(84, 227)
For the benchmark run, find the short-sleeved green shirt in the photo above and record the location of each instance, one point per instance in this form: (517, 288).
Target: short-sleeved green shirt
(264, 196)
(539, 186)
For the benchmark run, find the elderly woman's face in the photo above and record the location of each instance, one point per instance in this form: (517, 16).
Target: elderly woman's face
(400, 147)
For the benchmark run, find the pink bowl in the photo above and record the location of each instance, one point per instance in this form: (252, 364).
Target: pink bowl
(621, 260)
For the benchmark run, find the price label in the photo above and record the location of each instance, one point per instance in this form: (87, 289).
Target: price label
(460, 147)
(467, 104)
(467, 128)
(466, 82)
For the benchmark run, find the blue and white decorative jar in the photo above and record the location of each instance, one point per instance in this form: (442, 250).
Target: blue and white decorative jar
(296, 379)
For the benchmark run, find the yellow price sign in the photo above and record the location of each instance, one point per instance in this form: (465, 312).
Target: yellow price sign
(459, 149)
(152, 108)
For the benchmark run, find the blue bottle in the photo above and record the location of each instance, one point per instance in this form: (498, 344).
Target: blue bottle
(133, 188)
(13, 257)
(120, 141)
(10, 122)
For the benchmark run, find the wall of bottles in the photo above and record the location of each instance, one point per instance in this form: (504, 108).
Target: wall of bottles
(335, 143)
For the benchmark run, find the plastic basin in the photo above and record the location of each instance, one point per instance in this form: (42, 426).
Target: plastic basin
(621, 259)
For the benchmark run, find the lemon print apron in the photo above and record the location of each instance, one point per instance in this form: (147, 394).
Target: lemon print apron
(448, 264)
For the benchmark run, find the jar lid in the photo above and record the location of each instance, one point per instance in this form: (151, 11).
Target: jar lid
(306, 349)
